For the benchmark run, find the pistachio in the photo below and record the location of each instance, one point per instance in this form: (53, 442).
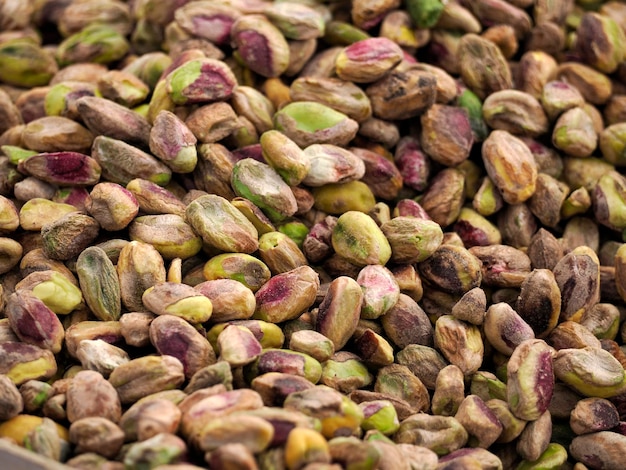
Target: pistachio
(200, 80)
(441, 434)
(482, 65)
(357, 238)
(105, 402)
(367, 60)
(139, 267)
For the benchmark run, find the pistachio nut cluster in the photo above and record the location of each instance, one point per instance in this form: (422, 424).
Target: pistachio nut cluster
(313, 235)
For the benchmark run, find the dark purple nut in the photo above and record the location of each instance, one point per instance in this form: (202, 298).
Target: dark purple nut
(122, 162)
(505, 329)
(571, 334)
(602, 449)
(412, 162)
(424, 362)
(231, 299)
(109, 331)
(173, 336)
(200, 80)
(150, 416)
(502, 265)
(530, 379)
(471, 307)
(406, 323)
(460, 343)
(331, 164)
(33, 322)
(286, 361)
(449, 391)
(286, 296)
(146, 375)
(402, 94)
(368, 60)
(222, 225)
(62, 168)
(482, 65)
(595, 87)
(139, 267)
(512, 426)
(90, 395)
(535, 437)
(480, 422)
(539, 302)
(516, 112)
(105, 117)
(96, 434)
(381, 174)
(578, 277)
(340, 311)
(510, 165)
(452, 269)
(593, 415)
(441, 434)
(207, 20)
(274, 387)
(260, 45)
(444, 196)
(172, 142)
(437, 139)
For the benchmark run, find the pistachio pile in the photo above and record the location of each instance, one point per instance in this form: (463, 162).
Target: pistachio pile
(306, 234)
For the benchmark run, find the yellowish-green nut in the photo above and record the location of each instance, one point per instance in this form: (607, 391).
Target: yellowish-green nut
(168, 233)
(357, 238)
(345, 372)
(613, 143)
(181, 300)
(23, 362)
(412, 240)
(173, 143)
(61, 98)
(600, 41)
(343, 197)
(139, 267)
(592, 372)
(553, 458)
(250, 271)
(25, 64)
(18, 428)
(253, 432)
(380, 415)
(284, 156)
(96, 43)
(200, 80)
(305, 446)
(58, 293)
(10, 254)
(308, 122)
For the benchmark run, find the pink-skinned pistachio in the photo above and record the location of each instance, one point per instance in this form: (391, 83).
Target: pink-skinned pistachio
(62, 168)
(200, 80)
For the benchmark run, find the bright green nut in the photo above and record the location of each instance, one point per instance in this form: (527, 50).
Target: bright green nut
(295, 230)
(346, 374)
(342, 197)
(59, 294)
(425, 13)
(194, 309)
(380, 415)
(474, 107)
(25, 64)
(96, 43)
(357, 238)
(553, 458)
(16, 154)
